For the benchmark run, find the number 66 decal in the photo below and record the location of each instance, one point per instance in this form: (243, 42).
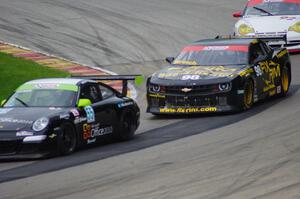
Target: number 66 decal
(190, 77)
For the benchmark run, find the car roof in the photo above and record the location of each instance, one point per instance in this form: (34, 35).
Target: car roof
(56, 80)
(222, 42)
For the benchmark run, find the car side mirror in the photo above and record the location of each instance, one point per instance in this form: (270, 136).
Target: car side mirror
(84, 102)
(237, 14)
(170, 59)
(3, 102)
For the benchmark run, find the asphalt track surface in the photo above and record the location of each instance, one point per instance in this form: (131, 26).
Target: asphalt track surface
(255, 154)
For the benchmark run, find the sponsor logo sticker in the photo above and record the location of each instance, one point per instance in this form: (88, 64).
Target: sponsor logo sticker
(64, 116)
(255, 98)
(123, 104)
(186, 90)
(278, 89)
(54, 108)
(46, 85)
(79, 120)
(90, 141)
(90, 114)
(17, 121)
(75, 112)
(90, 132)
(24, 133)
(157, 95)
(52, 136)
(215, 47)
(188, 110)
(239, 92)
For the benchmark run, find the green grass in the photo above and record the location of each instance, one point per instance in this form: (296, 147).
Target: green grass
(15, 71)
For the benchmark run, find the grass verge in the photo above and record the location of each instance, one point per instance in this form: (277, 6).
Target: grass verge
(14, 71)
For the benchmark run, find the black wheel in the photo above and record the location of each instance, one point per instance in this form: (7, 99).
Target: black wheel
(285, 81)
(68, 139)
(248, 95)
(126, 127)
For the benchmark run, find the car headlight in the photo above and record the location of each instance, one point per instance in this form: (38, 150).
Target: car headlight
(245, 29)
(40, 124)
(156, 88)
(225, 86)
(295, 27)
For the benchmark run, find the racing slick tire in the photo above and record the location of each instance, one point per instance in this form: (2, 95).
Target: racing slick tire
(248, 97)
(68, 139)
(126, 128)
(285, 81)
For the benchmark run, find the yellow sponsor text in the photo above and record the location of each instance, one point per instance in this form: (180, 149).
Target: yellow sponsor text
(188, 110)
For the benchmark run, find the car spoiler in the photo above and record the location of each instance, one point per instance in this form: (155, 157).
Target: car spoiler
(124, 78)
(266, 39)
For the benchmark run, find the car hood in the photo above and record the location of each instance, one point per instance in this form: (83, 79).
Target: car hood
(16, 119)
(264, 24)
(196, 75)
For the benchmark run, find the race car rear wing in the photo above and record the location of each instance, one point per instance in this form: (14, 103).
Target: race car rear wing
(272, 41)
(124, 78)
(278, 41)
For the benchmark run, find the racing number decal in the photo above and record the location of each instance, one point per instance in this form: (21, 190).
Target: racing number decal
(190, 77)
(90, 114)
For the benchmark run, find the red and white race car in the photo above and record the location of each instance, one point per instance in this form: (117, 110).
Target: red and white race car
(271, 18)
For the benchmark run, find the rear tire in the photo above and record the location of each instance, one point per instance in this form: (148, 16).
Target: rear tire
(285, 81)
(248, 98)
(126, 128)
(68, 139)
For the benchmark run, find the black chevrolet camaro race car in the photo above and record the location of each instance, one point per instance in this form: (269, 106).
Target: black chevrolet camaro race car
(56, 116)
(219, 75)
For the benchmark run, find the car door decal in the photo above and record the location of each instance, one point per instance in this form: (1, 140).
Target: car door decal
(92, 131)
(90, 114)
(272, 71)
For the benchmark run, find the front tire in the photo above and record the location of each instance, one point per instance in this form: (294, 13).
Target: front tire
(248, 98)
(68, 139)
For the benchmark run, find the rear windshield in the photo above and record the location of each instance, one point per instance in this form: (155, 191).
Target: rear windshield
(213, 55)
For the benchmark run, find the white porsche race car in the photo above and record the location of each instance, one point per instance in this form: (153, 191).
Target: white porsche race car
(271, 18)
